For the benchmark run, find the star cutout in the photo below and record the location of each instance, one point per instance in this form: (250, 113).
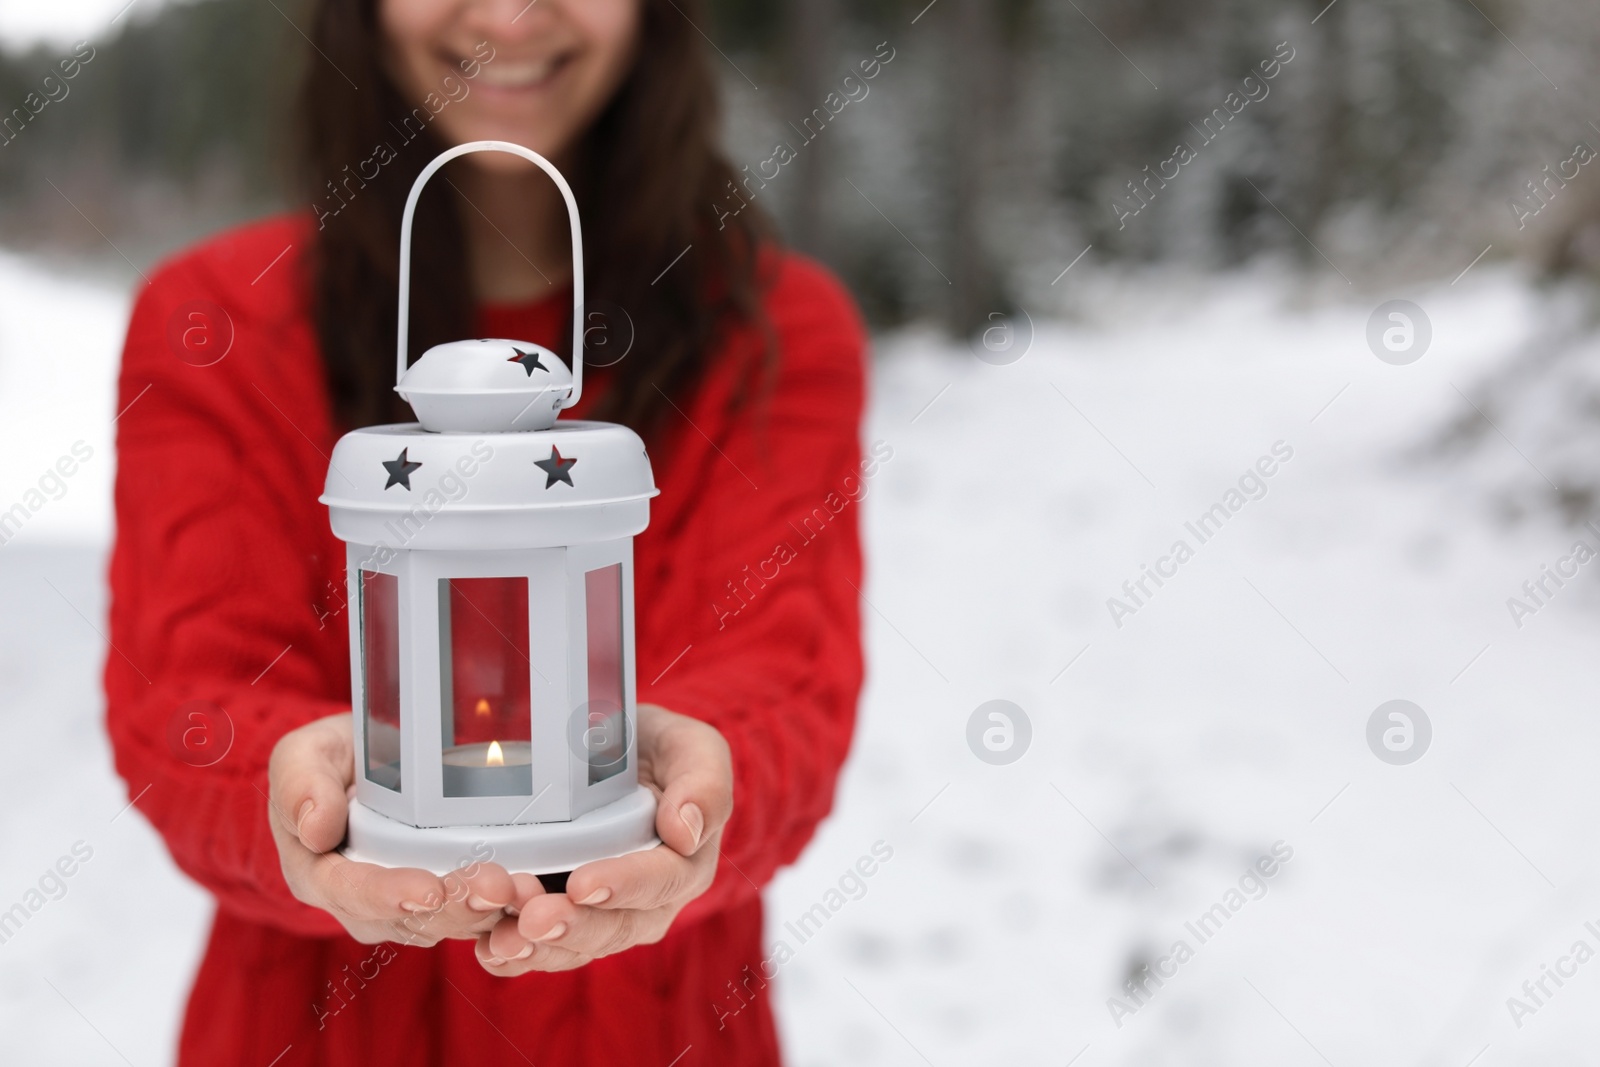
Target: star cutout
(529, 360)
(400, 469)
(555, 468)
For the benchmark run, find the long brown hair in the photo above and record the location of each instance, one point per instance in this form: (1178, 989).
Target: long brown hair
(649, 178)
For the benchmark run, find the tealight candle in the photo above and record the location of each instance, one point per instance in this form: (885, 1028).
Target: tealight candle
(489, 769)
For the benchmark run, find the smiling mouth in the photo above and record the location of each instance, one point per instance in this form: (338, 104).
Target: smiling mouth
(525, 74)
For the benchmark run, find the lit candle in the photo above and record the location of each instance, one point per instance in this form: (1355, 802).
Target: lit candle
(489, 769)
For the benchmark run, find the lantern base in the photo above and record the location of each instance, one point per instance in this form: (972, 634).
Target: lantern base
(623, 826)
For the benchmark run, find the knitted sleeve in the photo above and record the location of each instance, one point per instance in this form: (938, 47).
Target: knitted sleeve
(220, 628)
(774, 655)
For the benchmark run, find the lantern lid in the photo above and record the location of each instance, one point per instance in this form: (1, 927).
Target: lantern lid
(487, 385)
(487, 466)
(407, 487)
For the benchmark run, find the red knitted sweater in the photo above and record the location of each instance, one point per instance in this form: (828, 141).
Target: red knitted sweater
(224, 583)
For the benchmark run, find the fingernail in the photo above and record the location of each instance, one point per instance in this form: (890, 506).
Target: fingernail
(305, 811)
(412, 906)
(690, 813)
(495, 961)
(599, 896)
(554, 932)
(477, 903)
(527, 950)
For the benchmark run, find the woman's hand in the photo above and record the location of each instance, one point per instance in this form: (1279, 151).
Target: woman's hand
(614, 904)
(311, 775)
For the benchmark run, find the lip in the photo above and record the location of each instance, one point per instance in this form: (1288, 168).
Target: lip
(504, 75)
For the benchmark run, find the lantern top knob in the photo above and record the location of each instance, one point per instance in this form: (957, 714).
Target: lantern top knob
(491, 385)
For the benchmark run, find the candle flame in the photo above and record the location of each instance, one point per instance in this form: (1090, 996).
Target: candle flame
(496, 758)
(483, 707)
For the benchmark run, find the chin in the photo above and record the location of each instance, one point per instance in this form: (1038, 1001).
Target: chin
(546, 142)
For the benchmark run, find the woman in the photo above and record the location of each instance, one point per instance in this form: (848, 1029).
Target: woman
(228, 694)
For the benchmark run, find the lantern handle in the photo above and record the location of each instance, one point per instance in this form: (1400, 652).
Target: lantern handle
(577, 251)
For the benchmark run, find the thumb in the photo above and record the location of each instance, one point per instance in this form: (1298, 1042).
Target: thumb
(310, 773)
(691, 766)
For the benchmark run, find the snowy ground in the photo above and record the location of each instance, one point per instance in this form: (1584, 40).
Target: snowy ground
(1225, 716)
(118, 939)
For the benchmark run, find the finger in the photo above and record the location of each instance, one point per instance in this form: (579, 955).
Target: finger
(541, 958)
(367, 892)
(482, 887)
(505, 941)
(374, 933)
(473, 900)
(430, 927)
(309, 774)
(597, 932)
(594, 932)
(524, 888)
(691, 765)
(546, 918)
(370, 895)
(649, 879)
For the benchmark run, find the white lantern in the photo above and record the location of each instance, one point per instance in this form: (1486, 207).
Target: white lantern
(490, 569)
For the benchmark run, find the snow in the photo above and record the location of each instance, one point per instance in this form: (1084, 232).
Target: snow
(66, 21)
(1226, 715)
(59, 341)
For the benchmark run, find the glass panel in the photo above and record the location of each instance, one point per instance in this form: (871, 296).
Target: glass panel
(380, 676)
(484, 673)
(606, 739)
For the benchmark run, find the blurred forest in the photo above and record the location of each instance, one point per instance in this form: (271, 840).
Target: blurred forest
(1003, 138)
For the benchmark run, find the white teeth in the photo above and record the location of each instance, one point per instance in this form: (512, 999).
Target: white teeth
(506, 74)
